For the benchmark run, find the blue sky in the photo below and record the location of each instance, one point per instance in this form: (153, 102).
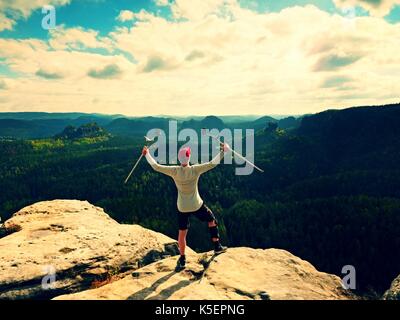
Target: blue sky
(197, 56)
(92, 14)
(100, 14)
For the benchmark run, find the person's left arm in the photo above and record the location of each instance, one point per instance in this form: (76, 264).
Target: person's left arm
(167, 170)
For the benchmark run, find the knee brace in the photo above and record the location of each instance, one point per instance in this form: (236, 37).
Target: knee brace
(214, 233)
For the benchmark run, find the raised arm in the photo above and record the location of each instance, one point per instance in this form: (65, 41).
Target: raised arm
(204, 167)
(168, 170)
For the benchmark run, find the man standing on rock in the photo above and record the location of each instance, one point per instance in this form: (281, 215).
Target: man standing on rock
(189, 202)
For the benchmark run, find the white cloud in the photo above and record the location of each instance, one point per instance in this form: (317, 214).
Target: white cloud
(378, 8)
(196, 9)
(125, 15)
(6, 23)
(26, 7)
(76, 38)
(3, 85)
(36, 57)
(111, 71)
(299, 60)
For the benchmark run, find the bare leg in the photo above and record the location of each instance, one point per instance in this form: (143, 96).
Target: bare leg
(182, 241)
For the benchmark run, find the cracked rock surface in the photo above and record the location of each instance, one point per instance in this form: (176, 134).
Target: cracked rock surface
(94, 257)
(239, 273)
(76, 240)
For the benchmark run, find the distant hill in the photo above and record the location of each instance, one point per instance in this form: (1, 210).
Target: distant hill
(220, 123)
(43, 128)
(336, 152)
(289, 123)
(263, 122)
(90, 130)
(359, 121)
(33, 125)
(238, 118)
(348, 134)
(209, 122)
(139, 126)
(54, 115)
(17, 128)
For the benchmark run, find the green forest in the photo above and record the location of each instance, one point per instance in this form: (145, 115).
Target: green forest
(330, 193)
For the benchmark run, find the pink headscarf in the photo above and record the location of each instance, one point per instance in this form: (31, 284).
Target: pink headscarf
(184, 156)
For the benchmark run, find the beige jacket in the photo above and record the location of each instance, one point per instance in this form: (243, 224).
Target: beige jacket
(186, 180)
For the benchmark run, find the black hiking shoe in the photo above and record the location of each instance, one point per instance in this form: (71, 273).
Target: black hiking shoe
(218, 248)
(180, 265)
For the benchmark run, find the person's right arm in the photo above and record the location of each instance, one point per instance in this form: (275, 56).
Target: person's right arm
(204, 167)
(168, 170)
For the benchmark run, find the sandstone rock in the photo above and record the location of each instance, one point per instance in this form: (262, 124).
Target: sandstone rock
(239, 273)
(77, 240)
(394, 292)
(94, 257)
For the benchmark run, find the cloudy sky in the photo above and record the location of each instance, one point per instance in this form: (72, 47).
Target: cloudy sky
(198, 57)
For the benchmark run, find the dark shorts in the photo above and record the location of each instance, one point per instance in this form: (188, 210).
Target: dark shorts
(203, 214)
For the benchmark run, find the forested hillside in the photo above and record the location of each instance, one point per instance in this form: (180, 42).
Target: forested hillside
(330, 191)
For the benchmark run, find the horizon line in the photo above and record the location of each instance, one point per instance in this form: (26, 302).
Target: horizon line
(206, 115)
